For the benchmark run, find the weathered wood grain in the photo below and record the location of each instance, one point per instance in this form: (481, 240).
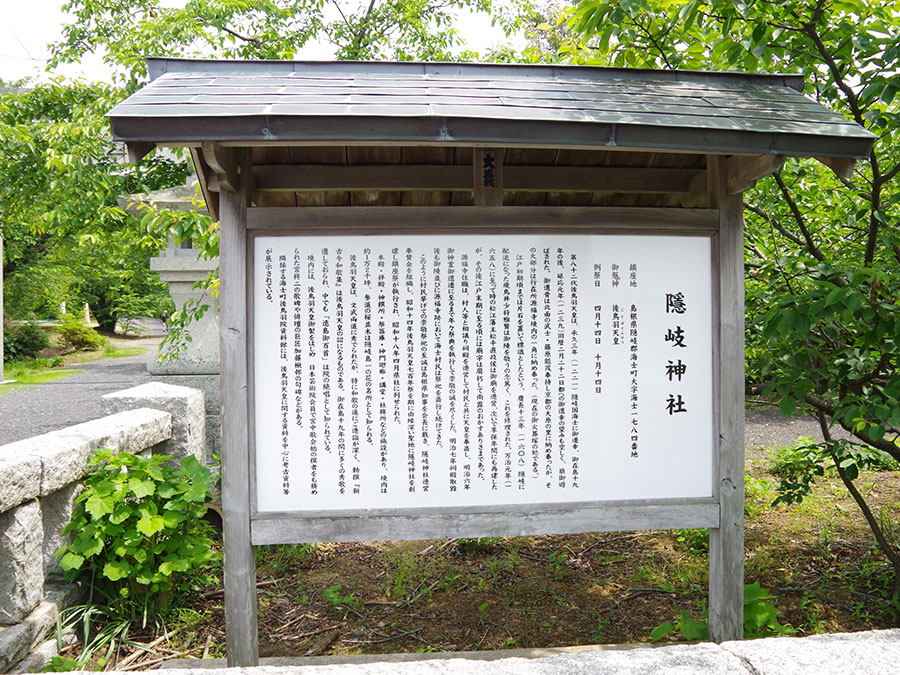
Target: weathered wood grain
(485, 522)
(462, 219)
(726, 543)
(240, 575)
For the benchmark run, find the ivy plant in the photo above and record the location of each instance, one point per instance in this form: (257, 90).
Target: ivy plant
(138, 535)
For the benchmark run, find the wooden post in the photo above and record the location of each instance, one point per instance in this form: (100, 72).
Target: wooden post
(726, 543)
(241, 637)
(487, 166)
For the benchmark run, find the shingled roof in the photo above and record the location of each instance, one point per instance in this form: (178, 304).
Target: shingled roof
(189, 101)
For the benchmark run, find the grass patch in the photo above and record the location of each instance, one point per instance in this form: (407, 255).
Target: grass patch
(111, 351)
(36, 371)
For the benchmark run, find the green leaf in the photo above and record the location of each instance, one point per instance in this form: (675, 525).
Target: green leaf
(661, 631)
(150, 525)
(99, 505)
(787, 406)
(115, 570)
(71, 561)
(141, 488)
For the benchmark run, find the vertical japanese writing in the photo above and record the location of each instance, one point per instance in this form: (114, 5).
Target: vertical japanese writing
(297, 308)
(268, 268)
(466, 355)
(382, 377)
(477, 359)
(633, 373)
(574, 368)
(410, 377)
(283, 379)
(675, 370)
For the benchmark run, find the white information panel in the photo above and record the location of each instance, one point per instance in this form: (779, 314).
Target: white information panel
(466, 370)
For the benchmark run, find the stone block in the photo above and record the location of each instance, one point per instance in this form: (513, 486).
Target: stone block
(64, 454)
(210, 385)
(16, 642)
(201, 354)
(39, 657)
(21, 562)
(20, 477)
(858, 653)
(185, 405)
(56, 511)
(63, 595)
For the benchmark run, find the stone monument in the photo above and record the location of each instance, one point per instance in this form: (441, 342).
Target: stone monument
(181, 268)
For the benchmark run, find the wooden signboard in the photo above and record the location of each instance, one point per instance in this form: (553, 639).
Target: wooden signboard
(516, 377)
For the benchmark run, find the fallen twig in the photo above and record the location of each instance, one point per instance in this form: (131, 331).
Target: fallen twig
(142, 649)
(323, 643)
(205, 653)
(387, 639)
(303, 636)
(153, 662)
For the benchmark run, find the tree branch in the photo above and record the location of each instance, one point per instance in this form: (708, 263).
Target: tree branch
(798, 217)
(892, 555)
(823, 406)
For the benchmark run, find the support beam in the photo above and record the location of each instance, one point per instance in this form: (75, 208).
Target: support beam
(240, 570)
(137, 150)
(841, 166)
(454, 178)
(487, 165)
(742, 172)
(726, 542)
(224, 166)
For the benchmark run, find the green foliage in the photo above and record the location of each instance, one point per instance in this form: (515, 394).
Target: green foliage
(477, 545)
(75, 334)
(62, 664)
(798, 466)
(695, 541)
(402, 30)
(138, 538)
(66, 238)
(760, 619)
(24, 341)
(341, 603)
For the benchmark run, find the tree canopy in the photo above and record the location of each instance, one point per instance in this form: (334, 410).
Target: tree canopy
(66, 239)
(127, 32)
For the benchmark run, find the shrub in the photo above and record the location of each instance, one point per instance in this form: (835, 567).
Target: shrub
(139, 539)
(23, 341)
(74, 334)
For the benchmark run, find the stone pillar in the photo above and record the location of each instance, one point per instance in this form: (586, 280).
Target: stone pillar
(198, 366)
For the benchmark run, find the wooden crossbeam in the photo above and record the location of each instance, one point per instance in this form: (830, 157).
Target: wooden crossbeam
(406, 177)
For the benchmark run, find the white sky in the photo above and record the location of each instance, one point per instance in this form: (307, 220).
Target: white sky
(28, 26)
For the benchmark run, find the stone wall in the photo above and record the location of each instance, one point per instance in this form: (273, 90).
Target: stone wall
(40, 478)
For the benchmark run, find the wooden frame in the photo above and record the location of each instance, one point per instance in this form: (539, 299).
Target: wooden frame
(722, 513)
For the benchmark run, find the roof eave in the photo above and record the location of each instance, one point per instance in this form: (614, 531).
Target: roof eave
(331, 130)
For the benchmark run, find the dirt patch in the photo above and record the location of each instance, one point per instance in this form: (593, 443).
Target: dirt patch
(448, 595)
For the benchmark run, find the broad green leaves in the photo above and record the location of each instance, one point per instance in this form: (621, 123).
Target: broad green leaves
(137, 529)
